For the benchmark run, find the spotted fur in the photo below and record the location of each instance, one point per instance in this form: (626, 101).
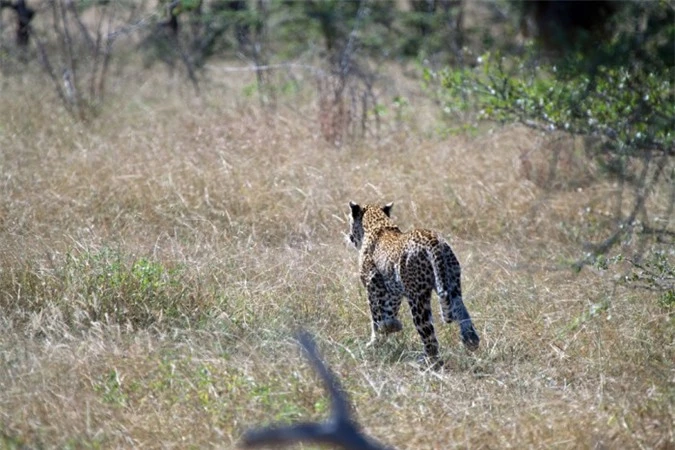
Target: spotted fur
(394, 264)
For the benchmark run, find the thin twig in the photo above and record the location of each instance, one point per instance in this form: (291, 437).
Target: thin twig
(254, 68)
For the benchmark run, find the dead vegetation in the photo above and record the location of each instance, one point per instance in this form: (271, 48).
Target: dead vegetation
(156, 262)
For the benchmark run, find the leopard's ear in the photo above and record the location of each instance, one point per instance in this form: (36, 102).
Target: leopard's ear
(387, 208)
(356, 209)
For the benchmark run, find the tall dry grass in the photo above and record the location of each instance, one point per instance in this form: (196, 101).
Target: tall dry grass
(156, 262)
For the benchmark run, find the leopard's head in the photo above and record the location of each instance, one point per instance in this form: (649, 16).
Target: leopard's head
(367, 218)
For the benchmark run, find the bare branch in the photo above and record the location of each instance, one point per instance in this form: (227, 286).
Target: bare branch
(72, 8)
(49, 68)
(345, 64)
(339, 429)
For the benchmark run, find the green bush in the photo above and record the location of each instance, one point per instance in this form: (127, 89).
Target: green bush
(621, 89)
(618, 90)
(103, 285)
(656, 273)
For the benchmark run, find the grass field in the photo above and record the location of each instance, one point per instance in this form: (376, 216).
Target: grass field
(156, 263)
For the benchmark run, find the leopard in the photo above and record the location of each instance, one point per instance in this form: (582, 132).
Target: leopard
(394, 264)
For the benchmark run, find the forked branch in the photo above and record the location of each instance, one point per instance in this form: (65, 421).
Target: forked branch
(340, 429)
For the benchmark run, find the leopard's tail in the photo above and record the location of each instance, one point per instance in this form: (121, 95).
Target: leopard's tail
(447, 276)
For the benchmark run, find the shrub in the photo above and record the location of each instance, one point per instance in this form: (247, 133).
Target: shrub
(618, 91)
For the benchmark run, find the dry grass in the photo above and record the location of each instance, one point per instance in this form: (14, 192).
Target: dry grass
(155, 263)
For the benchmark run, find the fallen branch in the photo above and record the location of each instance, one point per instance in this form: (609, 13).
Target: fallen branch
(340, 429)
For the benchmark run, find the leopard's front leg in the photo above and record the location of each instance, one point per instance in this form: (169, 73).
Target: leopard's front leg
(383, 308)
(376, 291)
